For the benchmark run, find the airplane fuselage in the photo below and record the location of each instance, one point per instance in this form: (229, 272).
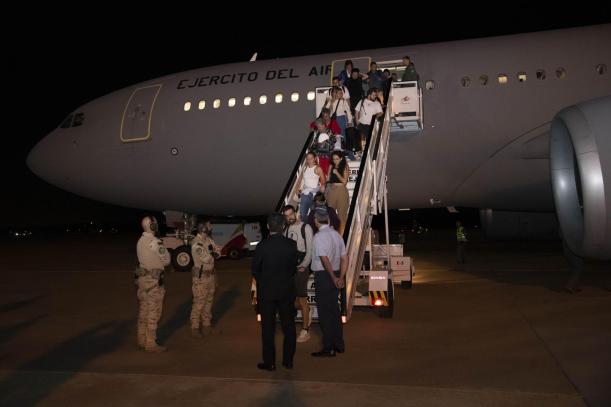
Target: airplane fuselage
(483, 145)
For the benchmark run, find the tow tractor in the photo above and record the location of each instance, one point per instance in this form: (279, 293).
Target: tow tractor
(235, 239)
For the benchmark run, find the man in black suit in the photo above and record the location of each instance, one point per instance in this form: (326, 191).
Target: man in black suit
(274, 267)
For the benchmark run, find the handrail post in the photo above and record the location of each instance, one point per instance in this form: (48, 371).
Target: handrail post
(387, 231)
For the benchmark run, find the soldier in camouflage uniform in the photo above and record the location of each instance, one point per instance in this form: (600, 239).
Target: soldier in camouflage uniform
(152, 258)
(204, 251)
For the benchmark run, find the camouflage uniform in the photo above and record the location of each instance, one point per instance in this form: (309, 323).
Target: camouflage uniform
(204, 280)
(152, 258)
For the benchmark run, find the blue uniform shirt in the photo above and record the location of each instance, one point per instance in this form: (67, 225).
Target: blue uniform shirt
(327, 242)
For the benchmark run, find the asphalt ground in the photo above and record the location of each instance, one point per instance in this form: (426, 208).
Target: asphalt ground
(499, 330)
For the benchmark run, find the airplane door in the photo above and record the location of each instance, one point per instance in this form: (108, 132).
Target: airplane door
(136, 121)
(337, 66)
(322, 94)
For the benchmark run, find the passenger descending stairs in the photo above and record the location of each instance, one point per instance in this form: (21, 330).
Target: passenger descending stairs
(367, 191)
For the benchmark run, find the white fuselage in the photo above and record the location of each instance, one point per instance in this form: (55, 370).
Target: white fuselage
(482, 145)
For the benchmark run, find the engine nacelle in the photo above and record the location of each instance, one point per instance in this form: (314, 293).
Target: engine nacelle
(580, 159)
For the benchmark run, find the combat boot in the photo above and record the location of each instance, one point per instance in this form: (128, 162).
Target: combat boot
(141, 336)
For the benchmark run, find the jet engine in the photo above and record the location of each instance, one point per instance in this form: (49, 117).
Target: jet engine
(580, 159)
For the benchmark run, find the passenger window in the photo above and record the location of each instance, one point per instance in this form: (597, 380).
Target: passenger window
(429, 85)
(541, 74)
(201, 105)
(601, 69)
(483, 79)
(503, 79)
(187, 106)
(294, 96)
(247, 101)
(560, 73)
(521, 76)
(279, 98)
(263, 99)
(216, 104)
(465, 82)
(311, 95)
(231, 102)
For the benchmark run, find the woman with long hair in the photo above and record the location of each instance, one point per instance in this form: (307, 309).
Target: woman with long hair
(310, 182)
(337, 194)
(340, 110)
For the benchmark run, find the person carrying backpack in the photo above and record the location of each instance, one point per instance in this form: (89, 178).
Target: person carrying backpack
(302, 234)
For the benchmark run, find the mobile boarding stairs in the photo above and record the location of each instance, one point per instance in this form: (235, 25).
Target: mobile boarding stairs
(372, 268)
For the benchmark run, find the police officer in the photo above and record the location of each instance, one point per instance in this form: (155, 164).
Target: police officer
(152, 258)
(204, 251)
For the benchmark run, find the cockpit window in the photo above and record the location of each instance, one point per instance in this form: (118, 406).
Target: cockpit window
(79, 118)
(67, 122)
(73, 120)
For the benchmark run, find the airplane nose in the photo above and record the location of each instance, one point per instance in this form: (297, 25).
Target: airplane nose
(40, 159)
(34, 159)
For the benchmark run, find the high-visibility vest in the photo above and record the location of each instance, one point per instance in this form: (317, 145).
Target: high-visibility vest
(460, 234)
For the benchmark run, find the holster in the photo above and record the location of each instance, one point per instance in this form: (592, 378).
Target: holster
(200, 272)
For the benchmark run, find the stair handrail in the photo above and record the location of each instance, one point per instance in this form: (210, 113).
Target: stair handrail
(291, 185)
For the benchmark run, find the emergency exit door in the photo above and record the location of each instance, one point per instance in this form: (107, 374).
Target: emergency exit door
(136, 121)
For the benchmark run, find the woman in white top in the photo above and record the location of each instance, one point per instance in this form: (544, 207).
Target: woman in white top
(340, 109)
(310, 182)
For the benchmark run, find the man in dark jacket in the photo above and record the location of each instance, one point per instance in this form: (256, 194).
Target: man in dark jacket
(274, 267)
(355, 87)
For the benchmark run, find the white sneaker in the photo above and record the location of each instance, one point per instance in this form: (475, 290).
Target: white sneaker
(304, 336)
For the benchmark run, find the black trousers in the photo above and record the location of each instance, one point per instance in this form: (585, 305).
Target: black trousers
(363, 134)
(329, 315)
(352, 139)
(460, 252)
(286, 311)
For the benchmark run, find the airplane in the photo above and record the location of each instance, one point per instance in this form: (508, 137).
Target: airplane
(515, 124)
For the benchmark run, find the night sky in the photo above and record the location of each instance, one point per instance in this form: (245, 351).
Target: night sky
(69, 59)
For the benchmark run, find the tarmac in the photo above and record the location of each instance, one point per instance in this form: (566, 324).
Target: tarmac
(496, 331)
